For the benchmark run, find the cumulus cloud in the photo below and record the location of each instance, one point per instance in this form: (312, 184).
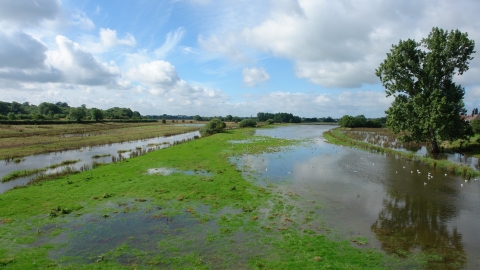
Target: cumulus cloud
(20, 50)
(28, 12)
(80, 66)
(339, 43)
(109, 38)
(160, 78)
(254, 76)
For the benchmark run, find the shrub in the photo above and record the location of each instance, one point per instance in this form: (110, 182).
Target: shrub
(212, 127)
(476, 126)
(247, 123)
(269, 122)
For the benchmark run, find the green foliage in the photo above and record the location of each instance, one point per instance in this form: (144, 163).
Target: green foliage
(419, 75)
(197, 118)
(278, 117)
(269, 122)
(45, 108)
(247, 123)
(11, 116)
(76, 114)
(212, 127)
(96, 114)
(476, 126)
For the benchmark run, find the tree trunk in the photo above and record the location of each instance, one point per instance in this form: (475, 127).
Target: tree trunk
(435, 148)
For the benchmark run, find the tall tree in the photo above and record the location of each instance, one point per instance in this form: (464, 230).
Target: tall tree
(427, 103)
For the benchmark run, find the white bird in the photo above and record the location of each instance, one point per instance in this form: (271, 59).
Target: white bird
(266, 169)
(445, 174)
(411, 171)
(466, 180)
(461, 185)
(424, 183)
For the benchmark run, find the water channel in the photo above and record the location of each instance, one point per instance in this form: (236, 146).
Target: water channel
(85, 155)
(398, 206)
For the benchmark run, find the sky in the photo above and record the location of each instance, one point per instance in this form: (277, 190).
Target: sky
(312, 58)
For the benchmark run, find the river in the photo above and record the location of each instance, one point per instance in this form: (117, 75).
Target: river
(399, 206)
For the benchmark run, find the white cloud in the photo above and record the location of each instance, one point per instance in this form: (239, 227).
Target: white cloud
(171, 41)
(81, 20)
(160, 79)
(339, 43)
(20, 13)
(20, 50)
(109, 38)
(80, 66)
(161, 76)
(254, 76)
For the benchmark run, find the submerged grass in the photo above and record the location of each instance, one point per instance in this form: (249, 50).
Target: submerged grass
(337, 136)
(248, 226)
(25, 173)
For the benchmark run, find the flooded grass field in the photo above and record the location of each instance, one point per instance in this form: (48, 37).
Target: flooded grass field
(281, 199)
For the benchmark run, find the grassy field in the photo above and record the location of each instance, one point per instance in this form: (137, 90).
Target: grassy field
(24, 140)
(212, 218)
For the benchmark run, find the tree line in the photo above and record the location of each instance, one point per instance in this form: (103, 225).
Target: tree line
(61, 110)
(361, 121)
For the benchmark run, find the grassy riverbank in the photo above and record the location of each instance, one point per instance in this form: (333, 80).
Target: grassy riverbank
(24, 140)
(134, 214)
(338, 136)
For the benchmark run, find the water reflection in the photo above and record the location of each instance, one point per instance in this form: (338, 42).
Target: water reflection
(402, 207)
(385, 139)
(409, 222)
(85, 154)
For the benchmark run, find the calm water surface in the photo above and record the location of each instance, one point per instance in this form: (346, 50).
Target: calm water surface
(392, 202)
(85, 156)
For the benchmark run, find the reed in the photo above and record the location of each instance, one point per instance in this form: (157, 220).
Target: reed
(19, 174)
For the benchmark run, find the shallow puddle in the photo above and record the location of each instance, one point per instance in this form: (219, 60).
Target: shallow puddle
(127, 149)
(139, 234)
(399, 206)
(168, 171)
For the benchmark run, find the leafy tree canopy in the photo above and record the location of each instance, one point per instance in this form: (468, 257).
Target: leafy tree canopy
(212, 127)
(419, 75)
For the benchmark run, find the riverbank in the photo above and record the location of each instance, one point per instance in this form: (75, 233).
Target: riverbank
(337, 136)
(190, 207)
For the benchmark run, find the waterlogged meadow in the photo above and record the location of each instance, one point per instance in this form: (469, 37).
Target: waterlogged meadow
(269, 198)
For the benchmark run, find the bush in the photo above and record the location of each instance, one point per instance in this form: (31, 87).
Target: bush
(269, 122)
(476, 126)
(212, 127)
(247, 123)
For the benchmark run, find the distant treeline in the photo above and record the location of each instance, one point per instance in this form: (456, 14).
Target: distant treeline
(361, 121)
(61, 110)
(261, 117)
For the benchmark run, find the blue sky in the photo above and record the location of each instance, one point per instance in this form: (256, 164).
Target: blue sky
(309, 58)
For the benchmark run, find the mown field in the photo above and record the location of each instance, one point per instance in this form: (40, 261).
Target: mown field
(126, 215)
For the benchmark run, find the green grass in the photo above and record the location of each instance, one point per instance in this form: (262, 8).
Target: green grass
(336, 136)
(256, 227)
